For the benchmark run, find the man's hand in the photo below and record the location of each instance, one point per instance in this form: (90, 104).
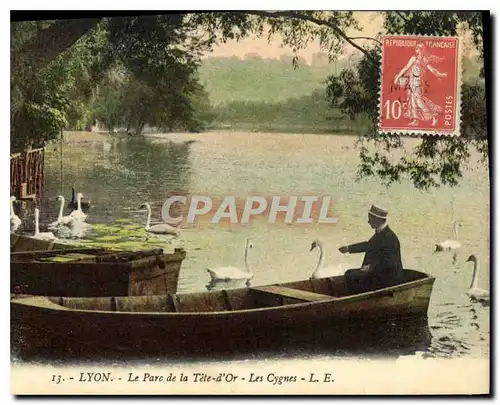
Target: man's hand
(344, 249)
(365, 268)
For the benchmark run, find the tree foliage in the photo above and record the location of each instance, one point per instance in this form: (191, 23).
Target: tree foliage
(155, 49)
(124, 70)
(58, 96)
(155, 60)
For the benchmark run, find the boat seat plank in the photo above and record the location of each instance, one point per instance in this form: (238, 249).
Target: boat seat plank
(287, 292)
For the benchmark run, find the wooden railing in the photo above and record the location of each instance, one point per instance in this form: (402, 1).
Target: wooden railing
(27, 175)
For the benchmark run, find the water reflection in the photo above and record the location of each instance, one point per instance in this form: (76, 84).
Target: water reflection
(153, 163)
(127, 173)
(453, 327)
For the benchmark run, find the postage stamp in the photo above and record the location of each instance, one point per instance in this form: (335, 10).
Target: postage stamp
(198, 217)
(420, 85)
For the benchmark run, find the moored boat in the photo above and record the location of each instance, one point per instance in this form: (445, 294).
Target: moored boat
(84, 272)
(150, 324)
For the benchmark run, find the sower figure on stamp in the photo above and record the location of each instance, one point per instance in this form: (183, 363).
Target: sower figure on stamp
(382, 265)
(419, 106)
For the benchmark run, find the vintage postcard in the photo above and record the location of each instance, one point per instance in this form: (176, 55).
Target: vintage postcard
(250, 203)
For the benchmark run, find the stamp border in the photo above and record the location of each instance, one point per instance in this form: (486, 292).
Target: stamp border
(420, 132)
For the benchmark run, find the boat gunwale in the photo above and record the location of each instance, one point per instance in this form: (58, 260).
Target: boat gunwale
(51, 306)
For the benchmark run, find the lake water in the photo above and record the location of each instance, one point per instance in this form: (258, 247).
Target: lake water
(120, 174)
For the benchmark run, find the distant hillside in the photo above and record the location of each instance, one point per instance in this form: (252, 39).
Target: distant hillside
(269, 95)
(274, 80)
(306, 114)
(269, 80)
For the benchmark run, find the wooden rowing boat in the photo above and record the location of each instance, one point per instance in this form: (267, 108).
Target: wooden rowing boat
(83, 272)
(200, 320)
(24, 243)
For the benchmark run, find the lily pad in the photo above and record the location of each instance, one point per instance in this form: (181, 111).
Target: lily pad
(124, 220)
(98, 227)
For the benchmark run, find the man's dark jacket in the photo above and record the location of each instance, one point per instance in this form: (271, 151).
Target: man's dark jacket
(383, 254)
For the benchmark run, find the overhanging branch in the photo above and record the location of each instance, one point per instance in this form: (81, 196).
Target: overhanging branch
(52, 41)
(309, 18)
(366, 38)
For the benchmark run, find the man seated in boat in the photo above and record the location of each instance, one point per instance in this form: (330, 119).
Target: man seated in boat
(382, 265)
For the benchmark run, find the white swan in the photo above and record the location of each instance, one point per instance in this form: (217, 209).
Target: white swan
(15, 221)
(67, 220)
(475, 293)
(233, 273)
(68, 226)
(38, 234)
(159, 229)
(322, 272)
(450, 244)
(78, 213)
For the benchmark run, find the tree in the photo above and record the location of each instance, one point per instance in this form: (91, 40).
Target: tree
(58, 96)
(159, 55)
(162, 54)
(109, 106)
(49, 42)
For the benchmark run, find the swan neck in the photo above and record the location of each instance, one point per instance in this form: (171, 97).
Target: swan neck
(12, 213)
(475, 278)
(149, 216)
(247, 265)
(37, 225)
(321, 258)
(61, 208)
(455, 230)
(79, 202)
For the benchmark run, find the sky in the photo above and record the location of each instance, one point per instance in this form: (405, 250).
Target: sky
(371, 22)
